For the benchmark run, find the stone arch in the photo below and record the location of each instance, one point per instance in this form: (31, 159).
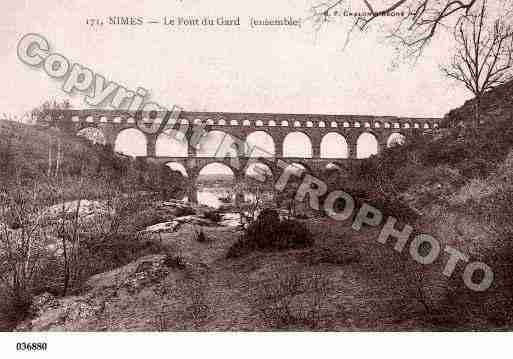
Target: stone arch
(260, 144)
(334, 124)
(334, 145)
(93, 134)
(297, 124)
(367, 125)
(346, 124)
(271, 123)
(259, 123)
(309, 124)
(357, 124)
(297, 144)
(395, 139)
(416, 125)
(209, 176)
(366, 145)
(284, 123)
(171, 143)
(397, 125)
(246, 123)
(322, 124)
(131, 141)
(234, 123)
(221, 122)
(377, 124)
(178, 167)
(217, 144)
(210, 122)
(426, 125)
(197, 121)
(406, 125)
(387, 125)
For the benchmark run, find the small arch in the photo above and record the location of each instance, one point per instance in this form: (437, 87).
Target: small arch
(210, 122)
(346, 124)
(246, 123)
(234, 123)
(178, 167)
(334, 124)
(92, 134)
(406, 125)
(184, 121)
(367, 125)
(117, 120)
(426, 125)
(334, 145)
(377, 125)
(387, 125)
(435, 125)
(397, 125)
(259, 123)
(297, 124)
(357, 124)
(271, 123)
(104, 119)
(284, 123)
(416, 125)
(90, 119)
(322, 124)
(76, 119)
(297, 144)
(197, 121)
(221, 122)
(309, 124)
(366, 145)
(395, 139)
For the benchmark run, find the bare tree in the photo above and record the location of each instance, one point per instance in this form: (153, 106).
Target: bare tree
(484, 55)
(417, 23)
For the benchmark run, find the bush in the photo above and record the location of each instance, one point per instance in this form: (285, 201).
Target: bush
(268, 232)
(213, 215)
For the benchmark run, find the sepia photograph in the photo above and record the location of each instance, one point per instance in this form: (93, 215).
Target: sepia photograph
(235, 178)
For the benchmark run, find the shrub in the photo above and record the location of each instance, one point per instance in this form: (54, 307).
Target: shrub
(268, 232)
(213, 215)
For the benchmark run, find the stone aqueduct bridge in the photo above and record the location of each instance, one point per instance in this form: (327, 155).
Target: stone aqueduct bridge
(241, 125)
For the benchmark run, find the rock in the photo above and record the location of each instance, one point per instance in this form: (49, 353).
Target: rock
(42, 303)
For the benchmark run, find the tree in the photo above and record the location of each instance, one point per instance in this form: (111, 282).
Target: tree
(417, 24)
(484, 54)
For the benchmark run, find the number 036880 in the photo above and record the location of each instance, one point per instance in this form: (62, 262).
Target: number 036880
(31, 346)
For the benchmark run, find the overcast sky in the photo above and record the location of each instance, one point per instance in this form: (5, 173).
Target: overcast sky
(241, 69)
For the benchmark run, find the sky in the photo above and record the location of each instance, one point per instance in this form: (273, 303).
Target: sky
(226, 69)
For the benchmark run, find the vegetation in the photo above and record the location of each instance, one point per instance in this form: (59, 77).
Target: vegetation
(49, 239)
(269, 232)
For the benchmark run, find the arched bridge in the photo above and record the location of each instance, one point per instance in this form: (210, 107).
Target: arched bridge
(311, 140)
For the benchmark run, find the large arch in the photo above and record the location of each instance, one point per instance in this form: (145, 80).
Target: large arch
(214, 183)
(260, 144)
(217, 144)
(93, 134)
(171, 143)
(131, 142)
(334, 145)
(297, 144)
(366, 145)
